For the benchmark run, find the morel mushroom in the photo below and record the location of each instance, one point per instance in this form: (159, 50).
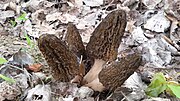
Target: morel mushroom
(101, 50)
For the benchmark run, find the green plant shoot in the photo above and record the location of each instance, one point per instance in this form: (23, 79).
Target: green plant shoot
(159, 84)
(28, 40)
(175, 89)
(22, 17)
(7, 79)
(3, 60)
(13, 23)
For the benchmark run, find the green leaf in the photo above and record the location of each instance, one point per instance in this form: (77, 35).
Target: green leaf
(3, 60)
(175, 89)
(154, 92)
(28, 40)
(13, 23)
(22, 17)
(157, 86)
(158, 79)
(7, 79)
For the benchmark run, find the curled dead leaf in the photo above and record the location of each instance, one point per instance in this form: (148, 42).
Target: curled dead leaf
(77, 79)
(34, 67)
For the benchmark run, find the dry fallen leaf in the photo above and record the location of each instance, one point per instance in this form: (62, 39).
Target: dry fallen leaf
(39, 92)
(151, 4)
(175, 36)
(158, 23)
(137, 37)
(34, 67)
(5, 14)
(22, 58)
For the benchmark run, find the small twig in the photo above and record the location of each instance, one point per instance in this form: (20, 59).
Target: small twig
(26, 72)
(171, 42)
(81, 67)
(108, 5)
(125, 97)
(56, 94)
(109, 95)
(14, 67)
(140, 5)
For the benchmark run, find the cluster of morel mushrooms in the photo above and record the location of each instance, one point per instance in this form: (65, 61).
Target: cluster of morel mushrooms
(95, 65)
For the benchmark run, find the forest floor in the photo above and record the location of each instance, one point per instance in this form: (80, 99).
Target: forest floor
(152, 25)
